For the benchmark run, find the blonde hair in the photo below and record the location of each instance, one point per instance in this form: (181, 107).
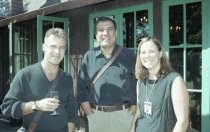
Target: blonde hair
(140, 71)
(56, 32)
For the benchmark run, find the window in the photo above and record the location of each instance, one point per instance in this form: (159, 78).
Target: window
(1, 67)
(184, 41)
(135, 27)
(22, 49)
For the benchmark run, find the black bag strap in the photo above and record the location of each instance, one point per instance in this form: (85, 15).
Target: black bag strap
(38, 114)
(105, 67)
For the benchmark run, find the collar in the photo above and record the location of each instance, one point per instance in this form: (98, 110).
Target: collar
(99, 52)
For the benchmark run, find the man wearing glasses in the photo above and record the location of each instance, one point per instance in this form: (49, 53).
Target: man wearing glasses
(30, 88)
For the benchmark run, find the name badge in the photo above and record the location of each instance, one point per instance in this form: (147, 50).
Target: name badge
(147, 109)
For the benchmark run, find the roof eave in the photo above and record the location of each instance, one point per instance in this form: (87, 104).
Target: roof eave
(69, 5)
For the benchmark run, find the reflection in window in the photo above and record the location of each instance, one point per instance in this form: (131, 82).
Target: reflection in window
(194, 68)
(176, 24)
(130, 39)
(195, 111)
(194, 23)
(142, 29)
(1, 69)
(128, 30)
(176, 59)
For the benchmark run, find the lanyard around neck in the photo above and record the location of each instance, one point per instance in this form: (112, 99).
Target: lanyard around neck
(148, 97)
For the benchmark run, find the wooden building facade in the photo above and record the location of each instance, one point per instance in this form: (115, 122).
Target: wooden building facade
(183, 26)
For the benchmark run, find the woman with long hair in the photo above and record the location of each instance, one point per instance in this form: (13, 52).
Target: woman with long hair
(162, 100)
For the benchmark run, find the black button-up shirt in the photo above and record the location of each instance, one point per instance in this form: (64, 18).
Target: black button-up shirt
(116, 86)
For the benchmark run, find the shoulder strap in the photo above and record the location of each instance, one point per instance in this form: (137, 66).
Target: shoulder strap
(103, 69)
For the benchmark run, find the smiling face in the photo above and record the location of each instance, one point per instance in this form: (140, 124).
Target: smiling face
(54, 50)
(150, 56)
(106, 34)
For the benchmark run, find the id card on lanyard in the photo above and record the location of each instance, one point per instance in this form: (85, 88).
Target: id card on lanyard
(147, 109)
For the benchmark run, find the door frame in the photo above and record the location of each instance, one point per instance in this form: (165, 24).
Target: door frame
(40, 22)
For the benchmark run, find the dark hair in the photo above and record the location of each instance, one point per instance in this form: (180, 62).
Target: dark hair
(140, 71)
(103, 19)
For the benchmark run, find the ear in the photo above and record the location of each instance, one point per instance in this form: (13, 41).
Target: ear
(43, 48)
(116, 33)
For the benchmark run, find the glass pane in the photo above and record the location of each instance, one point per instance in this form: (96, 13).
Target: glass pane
(176, 25)
(142, 29)
(194, 33)
(50, 24)
(46, 25)
(21, 61)
(1, 60)
(1, 71)
(17, 66)
(26, 47)
(195, 112)
(59, 25)
(194, 68)
(17, 48)
(176, 59)
(21, 44)
(22, 49)
(128, 30)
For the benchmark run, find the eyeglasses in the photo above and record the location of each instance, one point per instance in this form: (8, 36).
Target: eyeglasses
(109, 29)
(54, 47)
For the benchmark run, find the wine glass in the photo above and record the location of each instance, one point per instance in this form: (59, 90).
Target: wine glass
(54, 94)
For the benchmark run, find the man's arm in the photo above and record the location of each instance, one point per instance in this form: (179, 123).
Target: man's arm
(27, 108)
(46, 104)
(136, 115)
(71, 127)
(132, 109)
(87, 108)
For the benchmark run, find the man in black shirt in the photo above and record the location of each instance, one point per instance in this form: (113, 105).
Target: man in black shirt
(109, 104)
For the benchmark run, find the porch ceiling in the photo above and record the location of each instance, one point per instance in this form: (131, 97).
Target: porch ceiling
(69, 5)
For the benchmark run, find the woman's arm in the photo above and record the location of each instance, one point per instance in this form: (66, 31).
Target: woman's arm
(133, 125)
(180, 100)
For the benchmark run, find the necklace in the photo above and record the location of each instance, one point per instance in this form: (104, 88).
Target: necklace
(147, 97)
